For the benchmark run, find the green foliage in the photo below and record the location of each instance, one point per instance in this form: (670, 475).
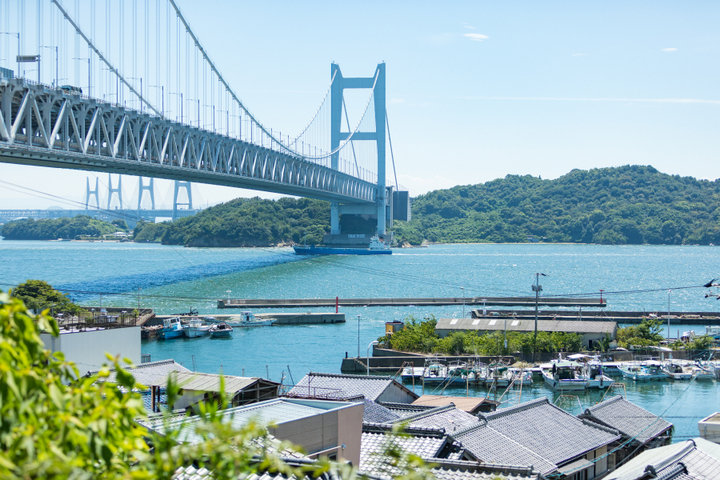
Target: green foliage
(646, 334)
(702, 342)
(39, 295)
(148, 232)
(121, 224)
(421, 337)
(52, 229)
(623, 205)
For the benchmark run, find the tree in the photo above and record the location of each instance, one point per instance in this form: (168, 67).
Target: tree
(39, 295)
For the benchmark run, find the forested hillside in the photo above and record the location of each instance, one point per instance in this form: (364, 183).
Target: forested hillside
(244, 223)
(630, 204)
(54, 228)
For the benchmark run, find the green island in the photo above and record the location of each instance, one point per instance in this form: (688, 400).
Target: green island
(621, 205)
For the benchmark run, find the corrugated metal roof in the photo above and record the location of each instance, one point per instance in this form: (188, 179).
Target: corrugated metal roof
(208, 382)
(628, 418)
(526, 325)
(151, 374)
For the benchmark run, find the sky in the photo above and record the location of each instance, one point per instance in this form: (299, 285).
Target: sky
(477, 90)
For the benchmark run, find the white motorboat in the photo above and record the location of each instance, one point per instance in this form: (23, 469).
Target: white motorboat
(593, 373)
(564, 375)
(196, 328)
(221, 330)
(677, 371)
(172, 328)
(644, 371)
(702, 373)
(519, 376)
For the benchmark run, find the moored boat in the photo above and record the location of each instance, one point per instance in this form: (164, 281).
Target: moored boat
(247, 319)
(221, 330)
(196, 328)
(172, 328)
(596, 378)
(563, 375)
(643, 372)
(677, 371)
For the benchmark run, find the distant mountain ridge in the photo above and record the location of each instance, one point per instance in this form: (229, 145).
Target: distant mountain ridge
(619, 205)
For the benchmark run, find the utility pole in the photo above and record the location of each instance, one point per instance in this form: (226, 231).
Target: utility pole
(537, 288)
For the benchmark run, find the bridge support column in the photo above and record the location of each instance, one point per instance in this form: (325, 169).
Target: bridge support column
(89, 193)
(117, 190)
(379, 213)
(188, 191)
(150, 188)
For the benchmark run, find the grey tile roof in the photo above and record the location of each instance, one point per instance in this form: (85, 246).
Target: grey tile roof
(374, 444)
(376, 413)
(335, 386)
(549, 431)
(210, 382)
(630, 419)
(696, 459)
(449, 418)
(526, 325)
(405, 409)
(490, 446)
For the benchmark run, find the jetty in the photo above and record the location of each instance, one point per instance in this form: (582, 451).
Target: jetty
(620, 317)
(407, 301)
(299, 318)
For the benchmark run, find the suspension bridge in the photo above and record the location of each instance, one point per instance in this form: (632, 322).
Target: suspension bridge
(126, 87)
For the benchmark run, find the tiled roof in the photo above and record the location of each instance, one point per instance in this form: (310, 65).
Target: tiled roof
(374, 444)
(630, 419)
(151, 374)
(376, 413)
(526, 325)
(405, 409)
(331, 386)
(549, 431)
(449, 418)
(490, 446)
(696, 459)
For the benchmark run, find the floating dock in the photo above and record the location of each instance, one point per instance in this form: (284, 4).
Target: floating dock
(249, 303)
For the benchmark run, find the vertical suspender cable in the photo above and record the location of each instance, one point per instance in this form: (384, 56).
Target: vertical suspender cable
(392, 155)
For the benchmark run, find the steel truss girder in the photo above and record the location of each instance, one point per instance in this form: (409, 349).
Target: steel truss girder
(45, 126)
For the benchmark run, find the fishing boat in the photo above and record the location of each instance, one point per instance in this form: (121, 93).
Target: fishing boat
(172, 328)
(196, 328)
(596, 378)
(411, 373)
(702, 373)
(495, 375)
(221, 330)
(564, 375)
(643, 372)
(677, 371)
(519, 376)
(375, 247)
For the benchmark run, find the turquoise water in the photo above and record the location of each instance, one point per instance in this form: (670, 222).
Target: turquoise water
(176, 279)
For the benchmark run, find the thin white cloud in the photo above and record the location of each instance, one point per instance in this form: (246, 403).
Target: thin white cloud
(477, 37)
(467, 26)
(599, 100)
(669, 50)
(579, 54)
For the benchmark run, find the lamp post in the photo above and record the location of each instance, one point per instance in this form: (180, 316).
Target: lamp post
(162, 96)
(358, 336)
(537, 288)
(54, 47)
(17, 35)
(367, 359)
(668, 316)
(228, 295)
(462, 289)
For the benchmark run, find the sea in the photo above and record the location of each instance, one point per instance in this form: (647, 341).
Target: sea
(173, 279)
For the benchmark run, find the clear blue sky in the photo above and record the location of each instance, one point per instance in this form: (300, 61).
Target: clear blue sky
(476, 90)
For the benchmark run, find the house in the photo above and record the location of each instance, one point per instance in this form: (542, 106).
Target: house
(541, 435)
(436, 448)
(639, 428)
(88, 346)
(696, 459)
(448, 418)
(341, 387)
(592, 332)
(320, 427)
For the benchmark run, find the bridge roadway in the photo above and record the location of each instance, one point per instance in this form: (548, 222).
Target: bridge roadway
(130, 216)
(419, 301)
(45, 126)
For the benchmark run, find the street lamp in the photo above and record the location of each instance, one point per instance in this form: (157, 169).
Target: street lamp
(358, 325)
(228, 295)
(367, 359)
(54, 47)
(537, 288)
(89, 72)
(17, 35)
(162, 96)
(668, 315)
(463, 300)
